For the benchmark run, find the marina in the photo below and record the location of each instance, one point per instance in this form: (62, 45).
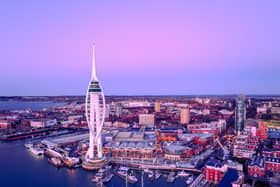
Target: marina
(130, 174)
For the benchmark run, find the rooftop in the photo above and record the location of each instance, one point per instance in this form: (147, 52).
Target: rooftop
(257, 161)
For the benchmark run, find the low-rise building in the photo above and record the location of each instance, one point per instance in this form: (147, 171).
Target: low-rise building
(256, 167)
(5, 124)
(43, 123)
(245, 144)
(272, 164)
(262, 110)
(214, 171)
(147, 120)
(275, 110)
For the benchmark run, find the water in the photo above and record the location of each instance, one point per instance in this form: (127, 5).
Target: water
(22, 105)
(20, 168)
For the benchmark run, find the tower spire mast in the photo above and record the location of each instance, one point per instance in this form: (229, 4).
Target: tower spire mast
(93, 72)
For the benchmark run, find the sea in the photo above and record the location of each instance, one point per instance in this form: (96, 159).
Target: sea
(23, 105)
(18, 167)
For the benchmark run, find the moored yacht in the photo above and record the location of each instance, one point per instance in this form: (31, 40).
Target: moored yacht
(190, 179)
(71, 161)
(157, 174)
(55, 161)
(36, 151)
(28, 145)
(123, 173)
(171, 177)
(183, 174)
(98, 176)
(53, 153)
(151, 175)
(107, 178)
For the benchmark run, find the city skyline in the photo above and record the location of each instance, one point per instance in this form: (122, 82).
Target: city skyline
(147, 48)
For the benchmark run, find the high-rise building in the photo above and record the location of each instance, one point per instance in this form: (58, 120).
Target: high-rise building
(157, 107)
(147, 120)
(240, 114)
(107, 111)
(119, 109)
(95, 115)
(185, 116)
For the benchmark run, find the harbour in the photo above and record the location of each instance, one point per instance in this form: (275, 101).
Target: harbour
(28, 167)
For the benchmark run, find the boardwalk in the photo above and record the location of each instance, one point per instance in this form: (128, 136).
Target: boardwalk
(159, 167)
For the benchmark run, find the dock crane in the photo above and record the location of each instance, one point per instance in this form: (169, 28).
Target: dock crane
(226, 152)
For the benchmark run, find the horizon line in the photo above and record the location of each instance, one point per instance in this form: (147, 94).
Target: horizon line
(120, 95)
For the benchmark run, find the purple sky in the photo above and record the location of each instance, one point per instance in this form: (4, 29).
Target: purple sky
(142, 47)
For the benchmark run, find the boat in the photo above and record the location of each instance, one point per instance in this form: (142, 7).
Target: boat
(171, 177)
(131, 178)
(28, 145)
(108, 167)
(124, 168)
(98, 177)
(146, 170)
(190, 179)
(71, 161)
(107, 178)
(53, 153)
(183, 174)
(99, 184)
(123, 173)
(101, 170)
(55, 161)
(151, 175)
(36, 151)
(157, 175)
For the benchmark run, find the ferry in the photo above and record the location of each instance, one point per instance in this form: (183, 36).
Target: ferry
(36, 151)
(55, 161)
(183, 174)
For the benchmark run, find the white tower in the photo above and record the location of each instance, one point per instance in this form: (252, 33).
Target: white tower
(95, 115)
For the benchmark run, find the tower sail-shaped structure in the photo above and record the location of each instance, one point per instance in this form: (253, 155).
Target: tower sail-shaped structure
(95, 115)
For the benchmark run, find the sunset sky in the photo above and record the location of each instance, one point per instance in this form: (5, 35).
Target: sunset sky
(151, 47)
